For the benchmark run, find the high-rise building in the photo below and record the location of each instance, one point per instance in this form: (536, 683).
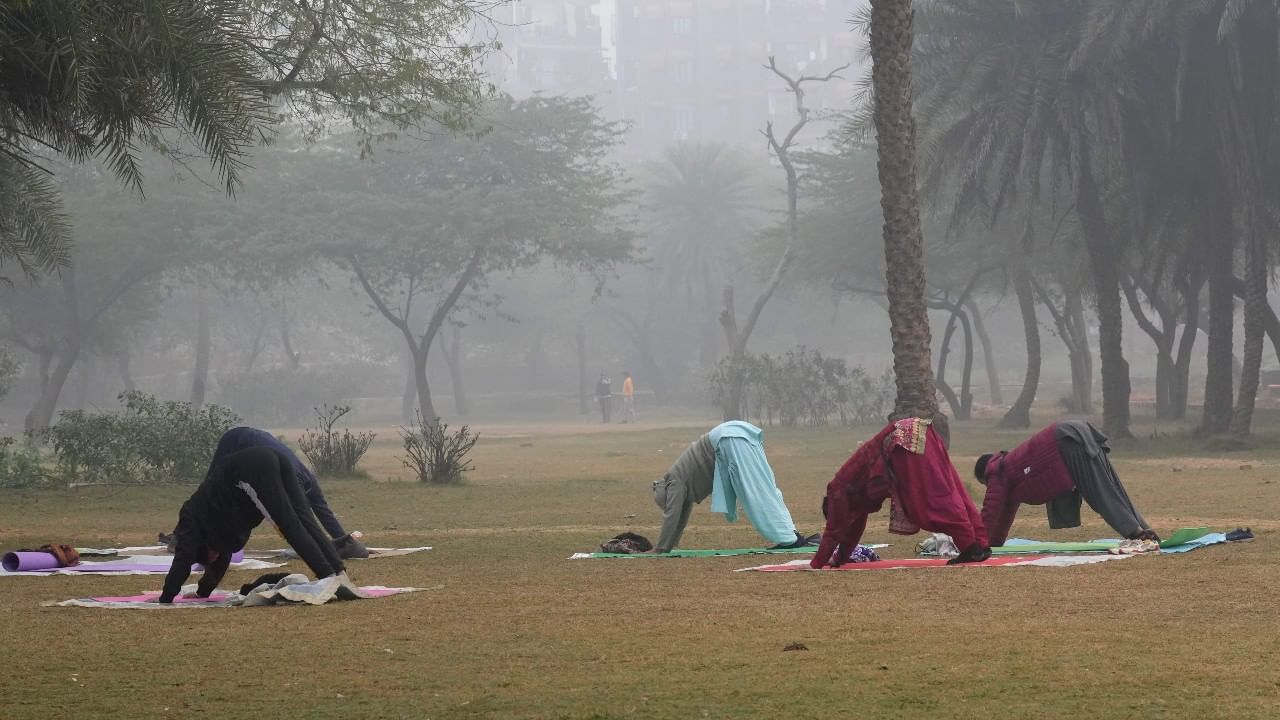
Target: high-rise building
(554, 47)
(694, 69)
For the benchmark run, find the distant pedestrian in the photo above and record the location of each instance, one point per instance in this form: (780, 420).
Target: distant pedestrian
(628, 398)
(604, 395)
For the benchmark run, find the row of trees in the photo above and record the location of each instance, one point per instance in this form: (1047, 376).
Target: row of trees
(1072, 154)
(418, 230)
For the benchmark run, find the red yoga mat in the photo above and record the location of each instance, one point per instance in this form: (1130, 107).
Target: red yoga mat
(907, 563)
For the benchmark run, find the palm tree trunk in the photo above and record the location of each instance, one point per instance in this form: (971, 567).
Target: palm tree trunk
(891, 39)
(1081, 355)
(1019, 416)
(1218, 382)
(293, 357)
(1189, 288)
(126, 374)
(1271, 322)
(88, 369)
(452, 351)
(410, 393)
(584, 388)
(1255, 311)
(200, 375)
(428, 408)
(988, 355)
(1104, 266)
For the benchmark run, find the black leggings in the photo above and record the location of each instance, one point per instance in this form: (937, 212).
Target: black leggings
(266, 476)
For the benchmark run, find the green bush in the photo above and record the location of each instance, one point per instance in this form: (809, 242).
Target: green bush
(332, 453)
(804, 387)
(9, 369)
(150, 441)
(20, 465)
(282, 396)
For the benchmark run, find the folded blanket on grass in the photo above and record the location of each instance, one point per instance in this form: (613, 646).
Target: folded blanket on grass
(1030, 560)
(292, 590)
(708, 553)
(131, 565)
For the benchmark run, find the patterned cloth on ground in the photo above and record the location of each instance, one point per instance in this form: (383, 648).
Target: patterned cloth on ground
(938, 545)
(293, 589)
(1135, 547)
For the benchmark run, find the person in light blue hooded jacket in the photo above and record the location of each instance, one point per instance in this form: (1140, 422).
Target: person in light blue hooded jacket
(729, 466)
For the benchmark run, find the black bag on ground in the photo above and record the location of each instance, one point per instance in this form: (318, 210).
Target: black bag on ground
(627, 543)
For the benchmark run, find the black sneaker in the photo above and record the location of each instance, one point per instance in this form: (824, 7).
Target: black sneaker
(350, 548)
(799, 542)
(1240, 535)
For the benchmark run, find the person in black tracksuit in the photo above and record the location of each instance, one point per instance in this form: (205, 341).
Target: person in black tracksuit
(243, 438)
(236, 496)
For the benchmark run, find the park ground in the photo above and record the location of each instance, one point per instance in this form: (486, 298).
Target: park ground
(510, 628)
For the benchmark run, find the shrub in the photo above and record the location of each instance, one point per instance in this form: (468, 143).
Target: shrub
(9, 369)
(804, 387)
(150, 441)
(435, 455)
(329, 452)
(281, 395)
(20, 465)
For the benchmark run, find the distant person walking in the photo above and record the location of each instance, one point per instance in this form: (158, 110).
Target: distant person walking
(628, 398)
(604, 395)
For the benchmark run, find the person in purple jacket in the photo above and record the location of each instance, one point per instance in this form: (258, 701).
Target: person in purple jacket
(1058, 467)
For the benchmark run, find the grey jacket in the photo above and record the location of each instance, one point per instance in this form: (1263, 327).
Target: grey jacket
(688, 481)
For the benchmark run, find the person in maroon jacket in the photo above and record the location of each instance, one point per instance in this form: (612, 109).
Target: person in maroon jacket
(1057, 467)
(906, 463)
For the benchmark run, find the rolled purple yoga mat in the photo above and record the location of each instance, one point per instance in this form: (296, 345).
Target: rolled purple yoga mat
(28, 561)
(237, 556)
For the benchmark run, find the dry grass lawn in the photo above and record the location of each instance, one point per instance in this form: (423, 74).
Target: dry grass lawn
(513, 629)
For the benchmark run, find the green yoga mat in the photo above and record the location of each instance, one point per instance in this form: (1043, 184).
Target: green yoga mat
(1179, 537)
(1039, 548)
(713, 553)
(1183, 536)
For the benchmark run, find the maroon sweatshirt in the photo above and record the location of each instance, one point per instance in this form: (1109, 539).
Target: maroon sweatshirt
(1032, 473)
(926, 485)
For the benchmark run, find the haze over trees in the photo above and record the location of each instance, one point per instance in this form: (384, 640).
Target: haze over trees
(1021, 208)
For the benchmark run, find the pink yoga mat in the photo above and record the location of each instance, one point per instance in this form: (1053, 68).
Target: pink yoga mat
(28, 561)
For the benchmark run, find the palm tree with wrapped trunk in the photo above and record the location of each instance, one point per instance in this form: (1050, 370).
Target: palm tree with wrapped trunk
(891, 40)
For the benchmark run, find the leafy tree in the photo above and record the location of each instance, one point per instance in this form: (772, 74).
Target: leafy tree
(87, 79)
(431, 222)
(375, 64)
(781, 146)
(1007, 118)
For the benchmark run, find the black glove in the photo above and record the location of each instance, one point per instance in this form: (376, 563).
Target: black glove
(975, 553)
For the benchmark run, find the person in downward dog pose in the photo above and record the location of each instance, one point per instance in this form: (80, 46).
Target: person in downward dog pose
(237, 494)
(907, 464)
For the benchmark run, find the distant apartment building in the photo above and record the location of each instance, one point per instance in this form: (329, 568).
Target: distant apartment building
(555, 47)
(694, 69)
